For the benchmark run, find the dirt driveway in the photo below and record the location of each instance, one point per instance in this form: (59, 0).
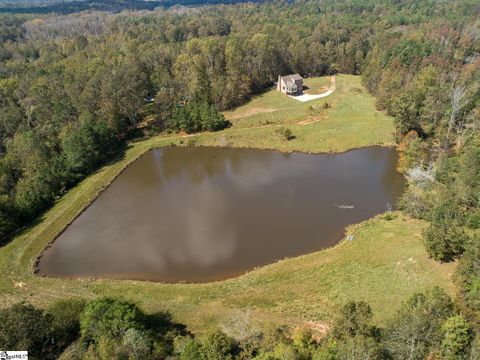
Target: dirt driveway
(309, 97)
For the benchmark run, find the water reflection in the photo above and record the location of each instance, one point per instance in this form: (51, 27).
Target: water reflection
(200, 214)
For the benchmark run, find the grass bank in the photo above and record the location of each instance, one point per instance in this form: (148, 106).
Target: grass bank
(385, 263)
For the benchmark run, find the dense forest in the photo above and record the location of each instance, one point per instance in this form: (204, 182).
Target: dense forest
(73, 6)
(74, 88)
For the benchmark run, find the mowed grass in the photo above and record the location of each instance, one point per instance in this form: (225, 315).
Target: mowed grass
(351, 121)
(383, 265)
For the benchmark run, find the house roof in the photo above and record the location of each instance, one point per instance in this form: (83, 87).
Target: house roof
(290, 79)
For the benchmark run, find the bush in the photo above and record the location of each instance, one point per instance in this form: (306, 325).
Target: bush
(66, 319)
(444, 241)
(23, 327)
(286, 351)
(8, 216)
(285, 133)
(137, 343)
(217, 346)
(109, 318)
(75, 351)
(445, 238)
(468, 274)
(389, 216)
(354, 318)
(419, 324)
(359, 347)
(457, 338)
(474, 219)
(191, 350)
(326, 352)
(410, 152)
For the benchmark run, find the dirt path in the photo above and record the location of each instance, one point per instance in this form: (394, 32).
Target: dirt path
(311, 121)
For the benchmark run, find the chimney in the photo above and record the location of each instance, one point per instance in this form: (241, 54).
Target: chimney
(279, 83)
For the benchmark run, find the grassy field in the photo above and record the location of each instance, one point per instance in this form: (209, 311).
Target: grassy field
(384, 264)
(350, 122)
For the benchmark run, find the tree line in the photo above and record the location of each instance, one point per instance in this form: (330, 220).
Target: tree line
(75, 6)
(428, 325)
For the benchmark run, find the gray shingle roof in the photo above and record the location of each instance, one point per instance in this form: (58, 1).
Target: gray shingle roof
(290, 79)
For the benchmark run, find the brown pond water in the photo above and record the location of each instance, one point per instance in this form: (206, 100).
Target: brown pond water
(202, 214)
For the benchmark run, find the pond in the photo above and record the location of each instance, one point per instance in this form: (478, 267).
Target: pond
(200, 214)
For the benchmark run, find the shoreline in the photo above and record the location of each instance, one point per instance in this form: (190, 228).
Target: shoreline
(36, 263)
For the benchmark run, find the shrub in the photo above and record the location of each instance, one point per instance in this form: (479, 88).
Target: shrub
(285, 133)
(23, 327)
(474, 219)
(217, 346)
(388, 216)
(109, 318)
(468, 274)
(457, 338)
(66, 319)
(419, 324)
(285, 351)
(326, 352)
(354, 318)
(191, 350)
(136, 343)
(359, 347)
(416, 202)
(75, 351)
(444, 241)
(410, 152)
(445, 238)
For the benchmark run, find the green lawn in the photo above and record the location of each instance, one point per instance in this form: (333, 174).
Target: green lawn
(384, 264)
(273, 107)
(352, 121)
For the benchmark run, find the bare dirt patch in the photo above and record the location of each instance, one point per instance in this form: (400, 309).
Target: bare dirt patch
(318, 329)
(316, 91)
(249, 112)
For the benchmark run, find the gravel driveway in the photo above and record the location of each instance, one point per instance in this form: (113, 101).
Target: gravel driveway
(308, 97)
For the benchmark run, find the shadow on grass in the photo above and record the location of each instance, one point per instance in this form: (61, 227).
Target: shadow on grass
(161, 323)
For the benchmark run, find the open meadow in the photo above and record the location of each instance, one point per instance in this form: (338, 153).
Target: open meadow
(345, 120)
